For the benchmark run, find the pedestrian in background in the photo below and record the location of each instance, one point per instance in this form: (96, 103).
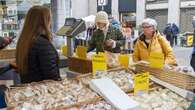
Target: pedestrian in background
(114, 22)
(168, 32)
(193, 24)
(152, 41)
(127, 31)
(192, 60)
(36, 57)
(176, 31)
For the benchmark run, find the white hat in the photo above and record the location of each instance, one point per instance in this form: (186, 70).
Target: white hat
(101, 17)
(150, 22)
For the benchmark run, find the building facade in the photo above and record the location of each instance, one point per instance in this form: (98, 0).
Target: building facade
(179, 12)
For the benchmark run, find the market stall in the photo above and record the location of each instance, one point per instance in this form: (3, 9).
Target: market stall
(76, 94)
(147, 87)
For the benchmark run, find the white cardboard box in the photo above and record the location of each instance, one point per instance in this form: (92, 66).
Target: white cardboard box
(113, 94)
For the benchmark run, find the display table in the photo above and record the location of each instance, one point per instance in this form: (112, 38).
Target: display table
(75, 94)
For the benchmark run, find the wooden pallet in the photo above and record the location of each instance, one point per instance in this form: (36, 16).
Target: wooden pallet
(7, 53)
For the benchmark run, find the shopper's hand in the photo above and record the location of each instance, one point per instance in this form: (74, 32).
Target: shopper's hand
(166, 67)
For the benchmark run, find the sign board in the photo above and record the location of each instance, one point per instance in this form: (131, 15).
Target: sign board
(190, 40)
(124, 60)
(81, 52)
(102, 2)
(64, 50)
(141, 83)
(99, 63)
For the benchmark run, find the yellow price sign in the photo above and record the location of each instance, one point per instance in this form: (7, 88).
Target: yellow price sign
(99, 63)
(156, 60)
(124, 60)
(141, 83)
(81, 52)
(64, 50)
(190, 40)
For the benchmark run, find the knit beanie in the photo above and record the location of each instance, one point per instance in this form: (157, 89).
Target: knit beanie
(101, 17)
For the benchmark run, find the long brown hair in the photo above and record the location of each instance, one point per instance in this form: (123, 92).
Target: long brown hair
(36, 23)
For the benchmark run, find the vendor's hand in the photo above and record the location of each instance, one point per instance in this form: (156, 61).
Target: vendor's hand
(109, 42)
(166, 67)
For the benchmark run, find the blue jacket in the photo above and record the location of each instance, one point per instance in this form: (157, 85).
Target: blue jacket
(168, 31)
(115, 24)
(175, 29)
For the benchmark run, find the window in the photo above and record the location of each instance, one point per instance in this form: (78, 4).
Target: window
(12, 13)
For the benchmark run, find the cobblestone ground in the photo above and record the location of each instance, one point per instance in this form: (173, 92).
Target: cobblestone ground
(183, 55)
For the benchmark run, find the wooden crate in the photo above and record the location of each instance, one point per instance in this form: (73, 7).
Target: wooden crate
(7, 53)
(179, 79)
(14, 106)
(79, 65)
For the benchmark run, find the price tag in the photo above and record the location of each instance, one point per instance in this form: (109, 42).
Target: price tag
(99, 63)
(141, 83)
(156, 60)
(190, 40)
(124, 60)
(64, 50)
(81, 52)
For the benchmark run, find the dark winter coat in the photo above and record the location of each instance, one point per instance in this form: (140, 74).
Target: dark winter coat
(42, 62)
(175, 29)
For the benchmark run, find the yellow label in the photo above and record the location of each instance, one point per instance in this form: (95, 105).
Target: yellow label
(124, 60)
(141, 83)
(156, 60)
(190, 40)
(64, 50)
(81, 52)
(99, 63)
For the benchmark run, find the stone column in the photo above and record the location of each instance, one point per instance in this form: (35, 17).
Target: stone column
(174, 11)
(80, 10)
(140, 11)
(92, 7)
(114, 8)
(58, 13)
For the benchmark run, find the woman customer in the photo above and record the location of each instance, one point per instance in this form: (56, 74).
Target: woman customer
(36, 57)
(152, 41)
